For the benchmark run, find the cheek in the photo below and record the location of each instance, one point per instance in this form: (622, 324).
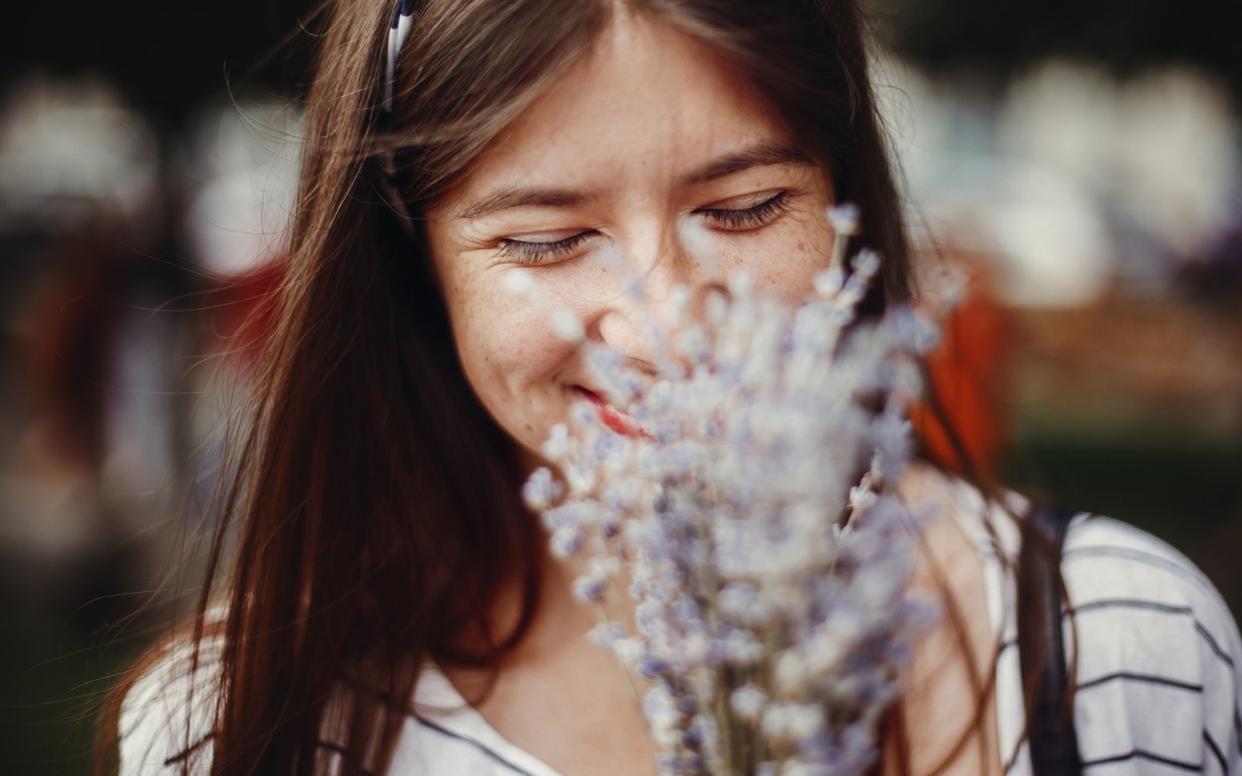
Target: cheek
(783, 258)
(509, 354)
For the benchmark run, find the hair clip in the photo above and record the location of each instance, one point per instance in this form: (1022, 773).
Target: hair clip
(402, 20)
(398, 30)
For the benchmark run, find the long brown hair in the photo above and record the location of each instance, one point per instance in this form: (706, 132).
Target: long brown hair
(373, 515)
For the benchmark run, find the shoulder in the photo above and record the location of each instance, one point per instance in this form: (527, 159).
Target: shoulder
(1107, 557)
(1120, 573)
(167, 715)
(1157, 651)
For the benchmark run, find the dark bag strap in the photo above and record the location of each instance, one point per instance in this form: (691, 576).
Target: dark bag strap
(1050, 725)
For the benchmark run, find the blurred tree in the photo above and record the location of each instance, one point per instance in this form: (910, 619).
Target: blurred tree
(166, 57)
(1122, 35)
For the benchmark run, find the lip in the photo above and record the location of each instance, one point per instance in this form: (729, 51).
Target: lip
(609, 415)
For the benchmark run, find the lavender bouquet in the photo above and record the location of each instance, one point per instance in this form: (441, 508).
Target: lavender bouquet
(751, 515)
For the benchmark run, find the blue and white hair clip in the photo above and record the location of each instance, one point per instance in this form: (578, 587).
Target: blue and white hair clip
(398, 30)
(402, 20)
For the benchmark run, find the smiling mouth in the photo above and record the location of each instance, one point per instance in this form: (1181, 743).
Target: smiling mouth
(610, 416)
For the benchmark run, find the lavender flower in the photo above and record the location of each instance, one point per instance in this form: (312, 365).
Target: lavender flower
(755, 517)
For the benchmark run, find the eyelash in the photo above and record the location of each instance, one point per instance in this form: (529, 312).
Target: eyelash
(752, 217)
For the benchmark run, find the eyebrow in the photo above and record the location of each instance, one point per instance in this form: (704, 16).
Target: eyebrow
(758, 155)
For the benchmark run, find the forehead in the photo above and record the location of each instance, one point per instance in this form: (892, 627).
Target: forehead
(646, 104)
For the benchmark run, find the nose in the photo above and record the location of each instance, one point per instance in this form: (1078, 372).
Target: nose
(666, 288)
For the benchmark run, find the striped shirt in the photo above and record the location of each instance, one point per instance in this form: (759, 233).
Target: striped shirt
(1157, 684)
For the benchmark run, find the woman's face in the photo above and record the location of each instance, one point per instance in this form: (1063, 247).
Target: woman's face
(650, 158)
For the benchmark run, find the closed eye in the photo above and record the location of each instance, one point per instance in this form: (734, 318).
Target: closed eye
(752, 217)
(529, 252)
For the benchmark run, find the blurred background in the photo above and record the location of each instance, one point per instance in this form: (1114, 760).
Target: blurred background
(1080, 161)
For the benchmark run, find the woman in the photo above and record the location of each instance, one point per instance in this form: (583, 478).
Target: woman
(380, 555)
